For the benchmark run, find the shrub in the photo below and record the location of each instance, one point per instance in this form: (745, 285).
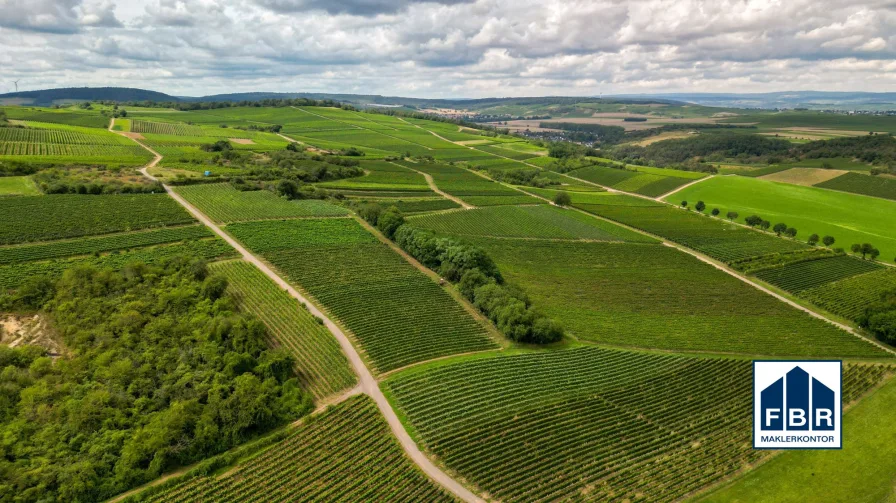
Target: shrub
(562, 198)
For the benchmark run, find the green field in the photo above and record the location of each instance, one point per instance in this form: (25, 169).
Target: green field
(225, 204)
(41, 218)
(382, 175)
(321, 365)
(652, 296)
(849, 297)
(527, 222)
(48, 143)
(470, 187)
(18, 186)
(864, 471)
(398, 315)
(588, 423)
(345, 454)
(847, 217)
(800, 276)
(876, 186)
(652, 182)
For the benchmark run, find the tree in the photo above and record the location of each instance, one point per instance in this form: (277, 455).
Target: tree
(764, 225)
(780, 228)
(866, 249)
(874, 253)
(684, 204)
(389, 221)
(856, 248)
(715, 212)
(700, 206)
(562, 198)
(732, 215)
(753, 220)
(828, 241)
(790, 232)
(813, 239)
(288, 189)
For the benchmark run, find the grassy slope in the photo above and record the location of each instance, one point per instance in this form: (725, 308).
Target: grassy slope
(849, 218)
(862, 472)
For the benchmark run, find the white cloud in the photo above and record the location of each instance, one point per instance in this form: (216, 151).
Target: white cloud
(451, 47)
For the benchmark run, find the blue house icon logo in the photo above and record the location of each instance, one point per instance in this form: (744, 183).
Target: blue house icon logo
(797, 405)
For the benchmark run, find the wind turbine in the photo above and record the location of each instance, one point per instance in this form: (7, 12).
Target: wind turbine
(16, 82)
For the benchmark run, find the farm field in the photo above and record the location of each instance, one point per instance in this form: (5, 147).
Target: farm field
(18, 186)
(652, 296)
(382, 175)
(398, 315)
(68, 117)
(49, 143)
(848, 218)
(320, 364)
(804, 176)
(849, 297)
(800, 276)
(470, 187)
(345, 453)
(856, 183)
(41, 218)
(863, 472)
(713, 236)
(527, 222)
(226, 204)
(588, 423)
(647, 182)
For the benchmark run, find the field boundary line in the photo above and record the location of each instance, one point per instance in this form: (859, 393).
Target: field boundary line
(366, 382)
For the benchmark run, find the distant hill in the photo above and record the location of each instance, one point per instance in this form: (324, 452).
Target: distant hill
(813, 100)
(49, 96)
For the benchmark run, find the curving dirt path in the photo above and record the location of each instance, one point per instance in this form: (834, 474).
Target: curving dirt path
(436, 189)
(667, 194)
(367, 384)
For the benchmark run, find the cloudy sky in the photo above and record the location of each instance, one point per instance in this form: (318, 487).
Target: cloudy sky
(450, 48)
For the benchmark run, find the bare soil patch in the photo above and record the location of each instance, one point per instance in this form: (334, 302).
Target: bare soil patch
(17, 330)
(242, 141)
(670, 135)
(133, 136)
(804, 176)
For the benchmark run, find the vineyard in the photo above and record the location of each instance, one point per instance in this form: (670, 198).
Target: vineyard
(382, 175)
(101, 244)
(590, 424)
(800, 276)
(398, 315)
(169, 128)
(40, 218)
(714, 237)
(849, 297)
(653, 184)
(857, 183)
(546, 222)
(320, 364)
(225, 204)
(472, 188)
(83, 119)
(13, 275)
(58, 143)
(345, 454)
(654, 296)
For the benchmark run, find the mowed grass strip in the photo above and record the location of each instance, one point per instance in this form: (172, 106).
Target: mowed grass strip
(321, 366)
(18, 186)
(849, 218)
(41, 218)
(652, 296)
(545, 222)
(345, 454)
(225, 204)
(398, 314)
(589, 424)
(861, 472)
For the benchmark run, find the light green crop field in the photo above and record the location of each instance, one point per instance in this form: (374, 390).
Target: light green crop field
(849, 218)
(18, 186)
(864, 471)
(225, 204)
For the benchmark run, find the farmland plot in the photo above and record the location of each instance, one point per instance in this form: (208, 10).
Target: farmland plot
(57, 143)
(472, 188)
(225, 204)
(345, 454)
(40, 218)
(589, 424)
(382, 175)
(398, 315)
(856, 183)
(527, 222)
(651, 182)
(849, 297)
(800, 276)
(651, 296)
(321, 366)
